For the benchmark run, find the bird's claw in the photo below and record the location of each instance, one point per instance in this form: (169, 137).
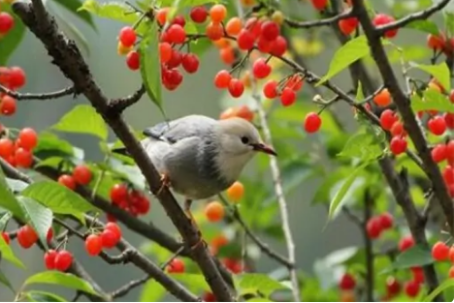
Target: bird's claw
(165, 182)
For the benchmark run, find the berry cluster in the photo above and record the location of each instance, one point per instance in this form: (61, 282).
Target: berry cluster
(377, 224)
(108, 238)
(12, 78)
(129, 199)
(60, 260)
(81, 175)
(19, 152)
(27, 236)
(176, 266)
(440, 43)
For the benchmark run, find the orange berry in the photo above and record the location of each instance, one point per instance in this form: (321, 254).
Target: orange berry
(246, 79)
(347, 296)
(214, 211)
(123, 50)
(248, 2)
(451, 272)
(236, 191)
(222, 43)
(214, 31)
(383, 98)
(217, 242)
(218, 12)
(278, 17)
(161, 15)
(233, 26)
(433, 84)
(227, 55)
(227, 114)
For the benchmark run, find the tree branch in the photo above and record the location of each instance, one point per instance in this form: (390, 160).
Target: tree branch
(403, 105)
(119, 105)
(318, 23)
(67, 57)
(368, 248)
(44, 96)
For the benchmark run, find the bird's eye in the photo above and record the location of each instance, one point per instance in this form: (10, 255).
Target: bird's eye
(245, 140)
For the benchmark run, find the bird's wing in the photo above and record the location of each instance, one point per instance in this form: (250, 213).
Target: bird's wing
(179, 129)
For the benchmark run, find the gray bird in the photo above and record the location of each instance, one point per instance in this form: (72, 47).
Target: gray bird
(199, 157)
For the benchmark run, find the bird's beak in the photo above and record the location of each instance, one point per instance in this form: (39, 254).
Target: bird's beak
(264, 149)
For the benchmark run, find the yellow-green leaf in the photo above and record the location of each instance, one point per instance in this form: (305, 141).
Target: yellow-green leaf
(8, 254)
(432, 100)
(62, 279)
(253, 283)
(439, 71)
(442, 287)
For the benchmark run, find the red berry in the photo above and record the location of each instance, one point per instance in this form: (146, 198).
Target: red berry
(23, 157)
(411, 288)
(6, 237)
(175, 59)
(439, 153)
(451, 272)
(387, 119)
(118, 193)
(236, 88)
(347, 282)
(449, 119)
(17, 77)
(82, 174)
(373, 227)
(190, 63)
(435, 42)
(93, 245)
(437, 125)
(133, 60)
(222, 79)
(386, 220)
(214, 31)
(115, 228)
(142, 205)
(49, 259)
(261, 69)
(176, 266)
(254, 26)
(319, 4)
(382, 19)
(63, 260)
(199, 14)
(165, 52)
(279, 46)
(270, 30)
(8, 105)
(440, 251)
(418, 274)
(109, 238)
(176, 34)
(398, 145)
(50, 234)
(233, 265)
(448, 174)
(209, 297)
(288, 96)
(6, 148)
(26, 236)
(451, 254)
(406, 243)
(312, 122)
(67, 181)
(6, 22)
(127, 36)
(392, 286)
(245, 40)
(270, 89)
(28, 138)
(397, 129)
(264, 45)
(348, 25)
(179, 20)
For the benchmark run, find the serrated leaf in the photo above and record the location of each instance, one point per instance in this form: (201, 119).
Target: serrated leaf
(449, 22)
(11, 41)
(439, 71)
(414, 256)
(426, 26)
(83, 119)
(38, 216)
(149, 65)
(7, 253)
(152, 291)
(349, 53)
(8, 200)
(61, 279)
(361, 145)
(58, 198)
(340, 194)
(4, 280)
(441, 288)
(73, 7)
(432, 100)
(44, 296)
(118, 11)
(254, 283)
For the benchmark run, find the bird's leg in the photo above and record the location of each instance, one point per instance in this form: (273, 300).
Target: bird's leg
(187, 210)
(165, 182)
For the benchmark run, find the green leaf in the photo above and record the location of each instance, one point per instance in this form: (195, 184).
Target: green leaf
(361, 145)
(442, 287)
(7, 253)
(432, 100)
(44, 296)
(449, 22)
(426, 26)
(73, 6)
(152, 291)
(83, 119)
(118, 11)
(350, 52)
(414, 256)
(4, 218)
(340, 194)
(187, 3)
(195, 282)
(255, 283)
(4, 280)
(58, 198)
(38, 216)
(61, 279)
(359, 92)
(50, 142)
(8, 200)
(149, 65)
(10, 42)
(16, 185)
(439, 72)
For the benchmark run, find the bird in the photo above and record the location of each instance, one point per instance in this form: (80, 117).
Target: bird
(198, 157)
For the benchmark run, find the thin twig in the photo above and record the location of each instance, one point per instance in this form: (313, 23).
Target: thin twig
(368, 248)
(119, 105)
(43, 96)
(318, 23)
(125, 289)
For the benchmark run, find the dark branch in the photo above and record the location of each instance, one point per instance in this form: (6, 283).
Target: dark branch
(422, 15)
(117, 106)
(369, 249)
(125, 289)
(45, 96)
(318, 23)
(68, 58)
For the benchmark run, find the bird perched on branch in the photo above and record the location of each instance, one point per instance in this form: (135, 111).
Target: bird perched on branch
(199, 157)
